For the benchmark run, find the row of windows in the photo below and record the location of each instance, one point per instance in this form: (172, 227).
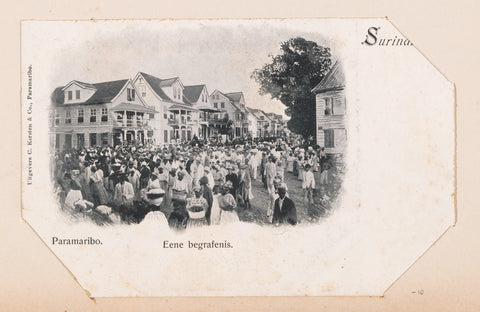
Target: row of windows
(81, 140)
(70, 95)
(81, 116)
(222, 105)
(130, 94)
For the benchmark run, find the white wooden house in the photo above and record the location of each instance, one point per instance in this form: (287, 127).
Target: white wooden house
(331, 108)
(98, 114)
(175, 118)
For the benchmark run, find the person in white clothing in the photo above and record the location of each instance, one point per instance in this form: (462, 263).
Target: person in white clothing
(308, 185)
(209, 175)
(123, 194)
(199, 171)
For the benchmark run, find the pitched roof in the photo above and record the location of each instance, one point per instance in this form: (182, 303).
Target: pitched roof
(335, 79)
(57, 96)
(156, 84)
(167, 82)
(185, 100)
(234, 96)
(259, 112)
(83, 84)
(252, 111)
(274, 116)
(105, 92)
(193, 92)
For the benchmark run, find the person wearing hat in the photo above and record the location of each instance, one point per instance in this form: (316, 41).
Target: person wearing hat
(284, 211)
(114, 176)
(152, 214)
(123, 195)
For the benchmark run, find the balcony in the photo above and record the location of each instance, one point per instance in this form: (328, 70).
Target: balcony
(130, 123)
(182, 120)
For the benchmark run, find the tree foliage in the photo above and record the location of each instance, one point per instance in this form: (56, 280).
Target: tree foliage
(290, 77)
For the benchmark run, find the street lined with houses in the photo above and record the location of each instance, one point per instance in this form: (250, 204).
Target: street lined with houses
(150, 110)
(149, 133)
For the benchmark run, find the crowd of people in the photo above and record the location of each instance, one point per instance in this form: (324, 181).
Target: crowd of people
(186, 185)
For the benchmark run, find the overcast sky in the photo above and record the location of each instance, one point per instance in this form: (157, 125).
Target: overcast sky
(221, 55)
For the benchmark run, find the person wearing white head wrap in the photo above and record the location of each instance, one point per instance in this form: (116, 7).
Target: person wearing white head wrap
(227, 204)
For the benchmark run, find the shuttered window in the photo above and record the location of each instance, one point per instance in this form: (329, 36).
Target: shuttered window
(329, 138)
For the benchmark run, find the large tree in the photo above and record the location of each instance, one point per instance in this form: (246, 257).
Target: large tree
(290, 77)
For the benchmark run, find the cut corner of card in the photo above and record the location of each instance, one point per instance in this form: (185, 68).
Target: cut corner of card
(255, 157)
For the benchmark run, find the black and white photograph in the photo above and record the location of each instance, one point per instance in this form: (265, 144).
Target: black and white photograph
(234, 157)
(257, 135)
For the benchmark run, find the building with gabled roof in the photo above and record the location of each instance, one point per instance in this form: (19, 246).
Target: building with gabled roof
(330, 111)
(176, 118)
(264, 123)
(232, 107)
(199, 97)
(92, 114)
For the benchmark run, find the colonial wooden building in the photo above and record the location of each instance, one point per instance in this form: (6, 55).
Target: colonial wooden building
(198, 96)
(175, 118)
(98, 114)
(330, 111)
(232, 107)
(263, 127)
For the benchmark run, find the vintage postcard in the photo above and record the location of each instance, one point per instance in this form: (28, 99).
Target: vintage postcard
(257, 157)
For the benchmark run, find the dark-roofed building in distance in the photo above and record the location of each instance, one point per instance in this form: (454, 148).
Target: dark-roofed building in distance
(98, 114)
(330, 111)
